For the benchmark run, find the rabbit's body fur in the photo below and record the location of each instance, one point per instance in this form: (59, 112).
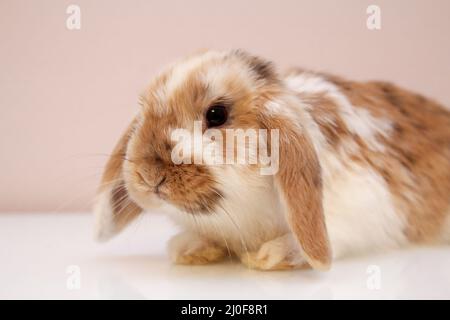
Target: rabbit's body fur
(384, 159)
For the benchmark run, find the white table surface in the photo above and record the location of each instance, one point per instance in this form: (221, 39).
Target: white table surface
(38, 252)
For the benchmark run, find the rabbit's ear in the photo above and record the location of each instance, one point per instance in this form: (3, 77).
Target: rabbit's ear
(113, 208)
(299, 184)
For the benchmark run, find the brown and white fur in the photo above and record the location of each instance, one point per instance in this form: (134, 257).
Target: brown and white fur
(363, 166)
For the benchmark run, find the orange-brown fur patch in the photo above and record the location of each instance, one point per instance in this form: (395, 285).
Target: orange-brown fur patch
(300, 181)
(416, 161)
(124, 210)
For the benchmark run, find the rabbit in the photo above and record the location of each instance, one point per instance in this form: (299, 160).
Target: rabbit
(362, 166)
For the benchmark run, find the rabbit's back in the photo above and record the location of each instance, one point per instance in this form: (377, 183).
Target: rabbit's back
(385, 156)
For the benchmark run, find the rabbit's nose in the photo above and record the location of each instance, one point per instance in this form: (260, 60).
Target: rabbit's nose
(159, 184)
(144, 178)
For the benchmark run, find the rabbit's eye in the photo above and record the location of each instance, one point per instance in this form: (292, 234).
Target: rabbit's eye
(216, 116)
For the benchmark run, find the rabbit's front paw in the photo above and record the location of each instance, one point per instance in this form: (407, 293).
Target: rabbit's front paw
(191, 249)
(279, 254)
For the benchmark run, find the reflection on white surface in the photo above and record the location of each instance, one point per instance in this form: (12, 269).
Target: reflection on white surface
(37, 249)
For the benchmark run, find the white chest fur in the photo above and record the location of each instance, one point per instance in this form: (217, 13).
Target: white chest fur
(248, 216)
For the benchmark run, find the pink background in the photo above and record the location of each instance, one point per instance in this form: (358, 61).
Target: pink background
(65, 96)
